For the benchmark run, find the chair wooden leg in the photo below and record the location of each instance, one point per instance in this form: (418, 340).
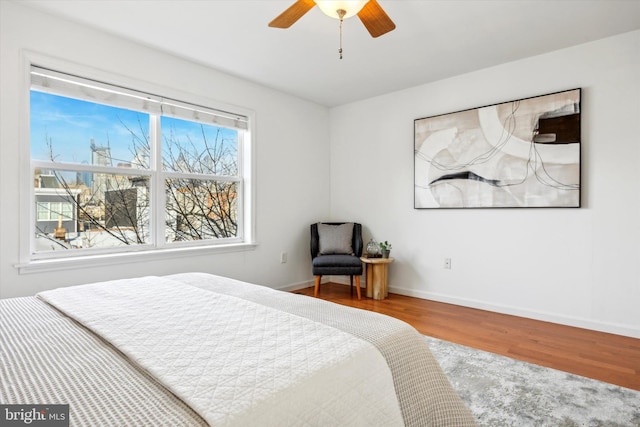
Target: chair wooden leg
(350, 285)
(358, 286)
(317, 288)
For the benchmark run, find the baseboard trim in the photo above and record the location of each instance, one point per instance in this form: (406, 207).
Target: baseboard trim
(297, 286)
(607, 327)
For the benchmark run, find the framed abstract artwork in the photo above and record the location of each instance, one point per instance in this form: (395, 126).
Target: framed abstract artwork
(517, 154)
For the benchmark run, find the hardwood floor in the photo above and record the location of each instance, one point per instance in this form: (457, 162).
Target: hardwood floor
(606, 357)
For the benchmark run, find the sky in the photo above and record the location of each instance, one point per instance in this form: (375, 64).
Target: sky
(70, 125)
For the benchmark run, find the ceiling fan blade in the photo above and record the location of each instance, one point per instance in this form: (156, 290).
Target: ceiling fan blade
(292, 14)
(375, 20)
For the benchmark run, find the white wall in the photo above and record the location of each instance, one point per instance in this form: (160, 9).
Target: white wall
(292, 159)
(573, 266)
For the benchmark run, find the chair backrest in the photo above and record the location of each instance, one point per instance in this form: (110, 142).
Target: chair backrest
(356, 241)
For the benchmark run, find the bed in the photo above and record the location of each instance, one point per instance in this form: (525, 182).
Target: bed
(197, 349)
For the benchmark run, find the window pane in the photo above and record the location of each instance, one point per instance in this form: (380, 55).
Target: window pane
(199, 210)
(70, 130)
(43, 211)
(90, 210)
(67, 210)
(191, 147)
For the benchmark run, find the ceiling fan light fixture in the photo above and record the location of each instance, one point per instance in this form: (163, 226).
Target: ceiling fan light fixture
(350, 7)
(371, 14)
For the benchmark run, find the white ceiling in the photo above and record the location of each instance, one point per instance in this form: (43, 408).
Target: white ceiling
(433, 39)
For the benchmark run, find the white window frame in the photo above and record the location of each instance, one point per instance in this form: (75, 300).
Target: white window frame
(158, 249)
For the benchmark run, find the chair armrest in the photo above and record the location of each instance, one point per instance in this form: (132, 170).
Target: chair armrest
(315, 241)
(357, 239)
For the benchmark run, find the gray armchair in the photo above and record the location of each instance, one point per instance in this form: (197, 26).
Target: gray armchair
(336, 251)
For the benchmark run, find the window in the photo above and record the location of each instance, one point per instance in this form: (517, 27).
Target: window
(53, 211)
(116, 170)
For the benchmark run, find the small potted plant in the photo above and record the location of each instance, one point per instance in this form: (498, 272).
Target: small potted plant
(385, 249)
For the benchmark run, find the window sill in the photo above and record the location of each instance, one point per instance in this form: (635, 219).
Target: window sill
(40, 266)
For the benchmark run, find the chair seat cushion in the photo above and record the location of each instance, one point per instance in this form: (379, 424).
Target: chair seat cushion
(336, 265)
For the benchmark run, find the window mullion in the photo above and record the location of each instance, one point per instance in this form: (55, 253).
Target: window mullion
(199, 176)
(158, 197)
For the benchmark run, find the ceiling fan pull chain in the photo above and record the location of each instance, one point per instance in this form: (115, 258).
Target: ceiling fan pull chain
(340, 50)
(341, 13)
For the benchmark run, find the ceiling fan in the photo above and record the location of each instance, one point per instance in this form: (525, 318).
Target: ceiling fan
(373, 17)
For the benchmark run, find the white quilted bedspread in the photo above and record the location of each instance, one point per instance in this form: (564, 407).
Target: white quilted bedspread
(235, 362)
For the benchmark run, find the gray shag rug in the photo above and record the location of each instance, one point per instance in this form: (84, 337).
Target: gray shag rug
(501, 391)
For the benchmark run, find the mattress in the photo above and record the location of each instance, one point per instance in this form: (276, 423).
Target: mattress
(199, 349)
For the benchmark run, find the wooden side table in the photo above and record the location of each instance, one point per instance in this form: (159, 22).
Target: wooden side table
(377, 277)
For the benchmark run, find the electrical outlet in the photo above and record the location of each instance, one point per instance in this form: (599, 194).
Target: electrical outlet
(283, 257)
(447, 263)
